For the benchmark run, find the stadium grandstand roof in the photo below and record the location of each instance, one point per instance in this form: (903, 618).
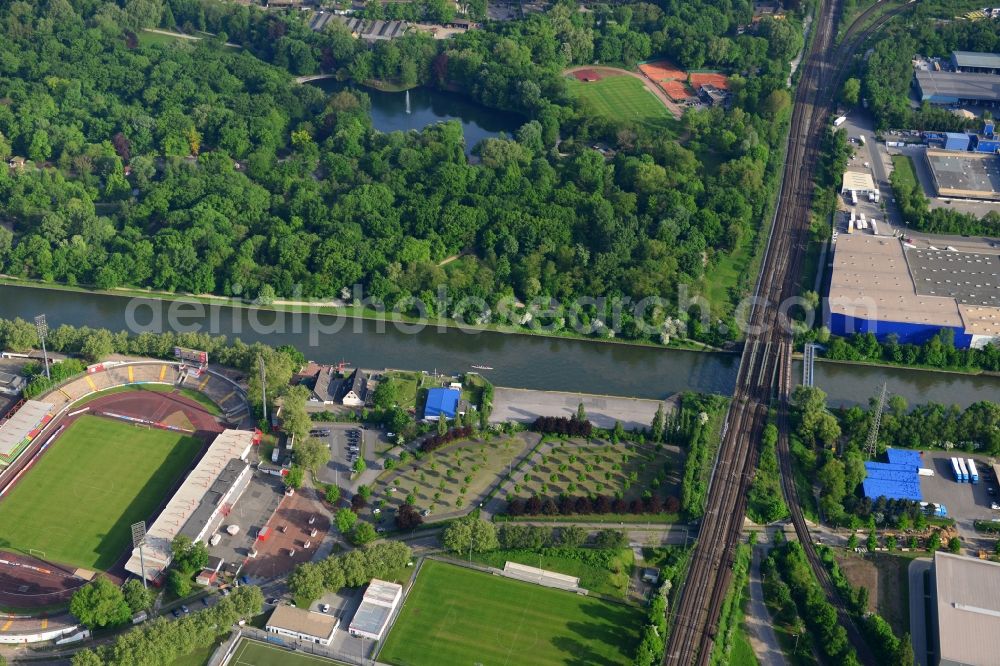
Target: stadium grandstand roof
(976, 59)
(20, 426)
(210, 500)
(967, 597)
(186, 501)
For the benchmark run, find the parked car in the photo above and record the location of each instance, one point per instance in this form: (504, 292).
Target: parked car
(185, 610)
(325, 608)
(175, 613)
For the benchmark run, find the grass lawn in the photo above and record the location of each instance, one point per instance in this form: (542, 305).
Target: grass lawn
(147, 38)
(742, 654)
(723, 276)
(76, 504)
(460, 616)
(611, 580)
(622, 98)
(407, 384)
(253, 653)
(902, 166)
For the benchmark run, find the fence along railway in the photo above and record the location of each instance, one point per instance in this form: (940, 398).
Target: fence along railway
(765, 367)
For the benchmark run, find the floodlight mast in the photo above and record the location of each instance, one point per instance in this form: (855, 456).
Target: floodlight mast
(138, 540)
(42, 327)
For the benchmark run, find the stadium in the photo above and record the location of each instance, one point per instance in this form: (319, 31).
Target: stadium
(884, 286)
(141, 441)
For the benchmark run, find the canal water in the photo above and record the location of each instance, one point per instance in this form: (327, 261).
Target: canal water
(519, 361)
(390, 111)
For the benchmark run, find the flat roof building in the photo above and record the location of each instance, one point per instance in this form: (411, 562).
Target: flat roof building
(302, 625)
(858, 181)
(372, 617)
(199, 504)
(972, 61)
(966, 175)
(966, 610)
(957, 87)
(877, 286)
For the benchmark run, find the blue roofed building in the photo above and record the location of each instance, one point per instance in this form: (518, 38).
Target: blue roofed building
(893, 480)
(905, 457)
(441, 402)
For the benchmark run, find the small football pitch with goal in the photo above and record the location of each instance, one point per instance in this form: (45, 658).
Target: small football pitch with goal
(455, 615)
(76, 504)
(623, 98)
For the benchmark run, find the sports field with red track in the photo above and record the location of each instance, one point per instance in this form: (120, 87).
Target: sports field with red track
(73, 507)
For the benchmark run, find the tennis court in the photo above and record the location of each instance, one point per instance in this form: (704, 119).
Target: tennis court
(662, 70)
(255, 653)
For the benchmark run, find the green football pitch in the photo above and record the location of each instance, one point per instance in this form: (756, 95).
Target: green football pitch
(455, 615)
(76, 504)
(622, 98)
(252, 653)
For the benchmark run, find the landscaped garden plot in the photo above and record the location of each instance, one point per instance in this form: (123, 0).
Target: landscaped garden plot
(598, 467)
(460, 616)
(453, 478)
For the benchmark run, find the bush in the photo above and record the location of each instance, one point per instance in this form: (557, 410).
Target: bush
(408, 518)
(435, 442)
(611, 539)
(562, 426)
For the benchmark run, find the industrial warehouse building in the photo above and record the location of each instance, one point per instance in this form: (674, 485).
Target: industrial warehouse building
(879, 286)
(372, 617)
(958, 87)
(964, 620)
(964, 174)
(973, 62)
(200, 504)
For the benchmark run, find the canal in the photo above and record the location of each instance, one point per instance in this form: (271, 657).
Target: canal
(519, 361)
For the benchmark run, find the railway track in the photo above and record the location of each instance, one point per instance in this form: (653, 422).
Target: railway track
(764, 376)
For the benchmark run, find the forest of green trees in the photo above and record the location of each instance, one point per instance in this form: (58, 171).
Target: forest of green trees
(206, 169)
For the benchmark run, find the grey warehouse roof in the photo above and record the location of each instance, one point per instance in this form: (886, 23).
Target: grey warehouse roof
(968, 609)
(975, 59)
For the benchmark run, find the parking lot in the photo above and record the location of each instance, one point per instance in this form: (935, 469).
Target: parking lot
(966, 502)
(341, 437)
(250, 513)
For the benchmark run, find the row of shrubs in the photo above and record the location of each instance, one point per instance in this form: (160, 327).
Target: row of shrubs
(559, 425)
(568, 505)
(435, 442)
